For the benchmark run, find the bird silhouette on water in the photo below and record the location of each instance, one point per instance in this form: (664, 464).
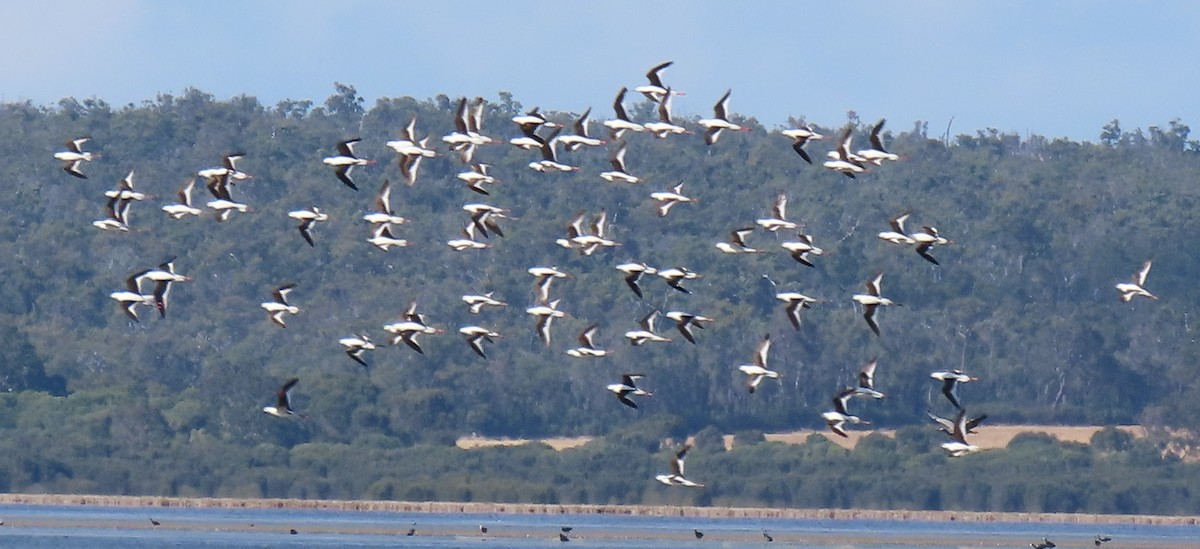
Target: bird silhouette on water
(1045, 544)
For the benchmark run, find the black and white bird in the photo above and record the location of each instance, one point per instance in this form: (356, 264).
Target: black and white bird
(801, 248)
(74, 156)
(580, 138)
(383, 213)
(684, 322)
(163, 277)
(926, 239)
(544, 277)
(407, 330)
(796, 302)
(280, 306)
(778, 219)
(545, 314)
(476, 335)
(877, 154)
(307, 219)
(283, 400)
(356, 345)
(646, 332)
(344, 161)
(622, 123)
(667, 199)
(633, 273)
(676, 275)
(183, 208)
(676, 478)
(587, 345)
(549, 161)
(866, 381)
(720, 121)
(737, 242)
(843, 161)
(1136, 285)
(476, 302)
(227, 173)
(627, 387)
(800, 137)
(872, 300)
(655, 90)
(959, 446)
(132, 296)
(757, 371)
(950, 382)
(840, 414)
(619, 172)
(898, 235)
(664, 126)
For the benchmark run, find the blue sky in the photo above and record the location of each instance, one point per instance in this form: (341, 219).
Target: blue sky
(1058, 69)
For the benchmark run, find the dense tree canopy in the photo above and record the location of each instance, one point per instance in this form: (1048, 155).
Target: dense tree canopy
(1023, 299)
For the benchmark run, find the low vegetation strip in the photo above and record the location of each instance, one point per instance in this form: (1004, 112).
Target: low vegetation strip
(556, 509)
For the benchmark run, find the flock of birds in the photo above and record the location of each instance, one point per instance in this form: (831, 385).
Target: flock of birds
(151, 287)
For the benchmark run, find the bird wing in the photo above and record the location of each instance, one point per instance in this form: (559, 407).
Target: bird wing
(653, 76)
(410, 339)
(476, 344)
(346, 148)
(543, 328)
(1140, 278)
(945, 423)
(780, 209)
(950, 389)
(682, 325)
(866, 376)
(305, 228)
(631, 281)
(343, 175)
(760, 354)
(876, 142)
(793, 313)
(281, 292)
(869, 315)
(284, 395)
(460, 116)
(721, 106)
(585, 337)
(873, 285)
(923, 251)
(618, 158)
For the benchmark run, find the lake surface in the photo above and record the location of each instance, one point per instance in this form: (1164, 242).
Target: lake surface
(119, 527)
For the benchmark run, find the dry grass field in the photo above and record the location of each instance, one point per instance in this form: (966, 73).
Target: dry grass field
(989, 436)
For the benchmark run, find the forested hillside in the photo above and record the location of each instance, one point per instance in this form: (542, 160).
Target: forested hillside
(1024, 297)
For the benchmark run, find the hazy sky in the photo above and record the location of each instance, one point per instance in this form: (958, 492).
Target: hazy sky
(1058, 69)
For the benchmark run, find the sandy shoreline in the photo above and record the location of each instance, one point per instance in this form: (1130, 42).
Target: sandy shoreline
(615, 510)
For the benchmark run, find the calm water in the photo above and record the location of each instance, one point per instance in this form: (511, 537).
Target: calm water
(111, 527)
